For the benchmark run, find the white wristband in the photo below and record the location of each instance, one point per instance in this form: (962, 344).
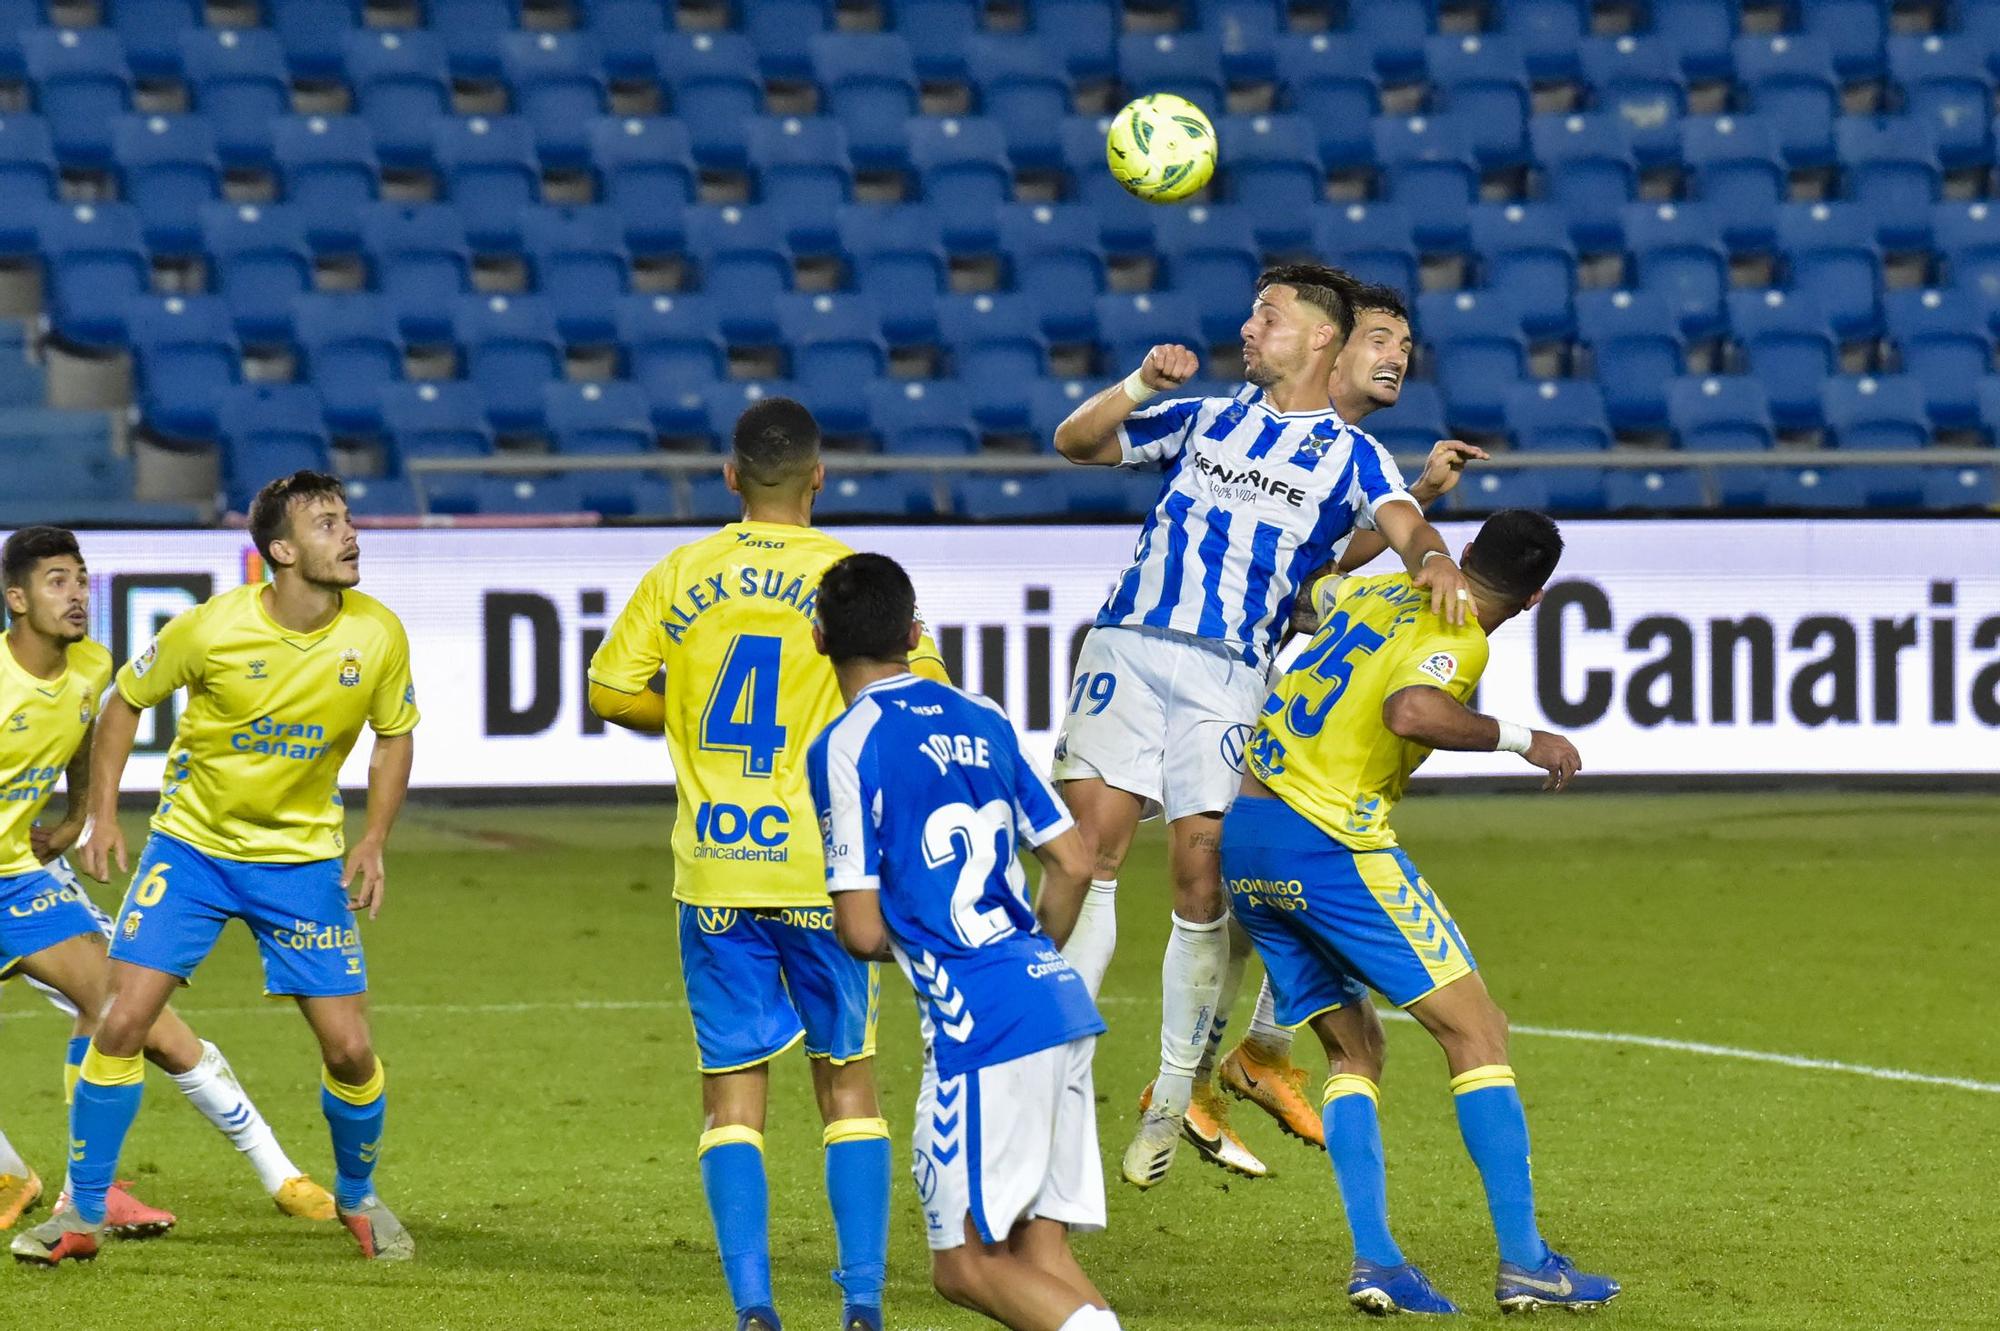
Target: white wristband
(1139, 390)
(1429, 555)
(1514, 738)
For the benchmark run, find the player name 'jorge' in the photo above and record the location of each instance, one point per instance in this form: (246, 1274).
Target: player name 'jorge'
(769, 583)
(964, 750)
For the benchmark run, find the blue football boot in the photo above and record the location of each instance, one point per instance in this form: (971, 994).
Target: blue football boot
(1383, 1290)
(1556, 1283)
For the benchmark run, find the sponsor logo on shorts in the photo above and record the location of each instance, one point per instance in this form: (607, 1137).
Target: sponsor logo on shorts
(1440, 666)
(1234, 741)
(927, 1180)
(312, 936)
(714, 919)
(44, 901)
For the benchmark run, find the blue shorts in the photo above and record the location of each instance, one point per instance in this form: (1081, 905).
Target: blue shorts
(1330, 922)
(181, 897)
(39, 910)
(759, 980)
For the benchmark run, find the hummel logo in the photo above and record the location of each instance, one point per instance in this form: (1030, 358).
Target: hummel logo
(257, 670)
(1556, 1287)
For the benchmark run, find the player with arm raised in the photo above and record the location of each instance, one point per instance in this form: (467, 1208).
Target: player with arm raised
(1259, 489)
(923, 797)
(1337, 909)
(729, 619)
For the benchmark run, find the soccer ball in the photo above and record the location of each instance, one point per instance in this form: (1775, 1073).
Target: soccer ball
(1161, 148)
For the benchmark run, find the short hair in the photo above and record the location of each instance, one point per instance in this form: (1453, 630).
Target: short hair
(1327, 289)
(30, 546)
(1374, 298)
(865, 608)
(275, 502)
(1515, 552)
(776, 441)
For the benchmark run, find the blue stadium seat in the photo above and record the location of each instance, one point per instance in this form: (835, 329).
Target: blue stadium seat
(627, 32)
(1272, 167)
(329, 171)
(1414, 423)
(1494, 488)
(268, 431)
(1130, 325)
(185, 359)
(804, 174)
(1588, 171)
(1677, 253)
(1428, 167)
(1945, 345)
(1481, 78)
(1790, 81)
(868, 83)
(1967, 235)
(313, 33)
(1636, 348)
(257, 261)
(672, 343)
(351, 351)
(1248, 33)
(489, 170)
(646, 172)
(1854, 31)
(581, 267)
(510, 349)
(1211, 259)
(877, 494)
(1081, 35)
(1105, 494)
(1700, 32)
(1548, 33)
(745, 264)
(1813, 489)
(420, 260)
(1739, 175)
(781, 32)
(941, 34)
(1184, 64)
(82, 85)
(237, 79)
(1721, 414)
(506, 496)
(1639, 81)
(1374, 241)
(381, 497)
(1329, 80)
(1830, 251)
(1529, 262)
(472, 31)
(996, 345)
(1654, 490)
(1967, 488)
(1876, 411)
(1393, 33)
(627, 494)
(1480, 354)
(1891, 169)
(436, 419)
(151, 32)
(1024, 92)
(28, 178)
(1558, 415)
(837, 349)
(17, 16)
(598, 417)
(1125, 224)
(723, 403)
(401, 83)
(1005, 497)
(558, 86)
(710, 501)
(1056, 251)
(896, 255)
(1049, 401)
(94, 265)
(1946, 88)
(1790, 347)
(923, 417)
(715, 90)
(168, 169)
(966, 176)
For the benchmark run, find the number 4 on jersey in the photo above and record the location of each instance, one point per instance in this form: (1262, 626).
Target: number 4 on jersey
(742, 712)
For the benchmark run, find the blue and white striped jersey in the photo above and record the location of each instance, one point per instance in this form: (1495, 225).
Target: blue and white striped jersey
(1253, 500)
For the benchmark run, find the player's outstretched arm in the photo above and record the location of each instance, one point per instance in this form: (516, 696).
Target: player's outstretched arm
(858, 923)
(363, 875)
(111, 745)
(49, 842)
(1442, 470)
(644, 711)
(1423, 551)
(1437, 720)
(1089, 434)
(1065, 877)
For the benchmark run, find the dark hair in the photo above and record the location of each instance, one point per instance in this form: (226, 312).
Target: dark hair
(1328, 290)
(29, 547)
(865, 608)
(275, 502)
(1515, 552)
(776, 441)
(1372, 297)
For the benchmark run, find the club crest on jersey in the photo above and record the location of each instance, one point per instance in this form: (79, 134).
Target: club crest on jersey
(715, 919)
(144, 660)
(257, 670)
(1440, 666)
(350, 667)
(83, 712)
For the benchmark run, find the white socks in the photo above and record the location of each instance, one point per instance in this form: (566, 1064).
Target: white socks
(1190, 979)
(1091, 943)
(1088, 1318)
(211, 1087)
(10, 1159)
(1265, 1032)
(1240, 949)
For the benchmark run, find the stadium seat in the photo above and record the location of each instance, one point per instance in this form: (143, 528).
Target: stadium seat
(1790, 81)
(472, 32)
(257, 261)
(1414, 423)
(94, 265)
(1004, 497)
(314, 34)
(1376, 242)
(1738, 175)
(1080, 35)
(628, 33)
(837, 351)
(510, 349)
(877, 494)
(628, 494)
(1548, 33)
(1049, 401)
(1966, 488)
(1480, 354)
(1946, 89)
(1329, 80)
(1854, 31)
(646, 173)
(1967, 235)
(1653, 490)
(672, 343)
(598, 418)
(896, 255)
(351, 350)
(942, 35)
(715, 90)
(237, 80)
(1125, 224)
(1529, 262)
(268, 431)
(516, 496)
(1721, 414)
(1131, 325)
(1180, 64)
(1789, 345)
(1588, 171)
(167, 169)
(965, 175)
(1557, 415)
(920, 418)
(1700, 32)
(1211, 260)
(1876, 411)
(1892, 170)
(1639, 81)
(151, 32)
(1943, 342)
(721, 404)
(432, 419)
(1677, 253)
(996, 345)
(1813, 489)
(1056, 254)
(1393, 33)
(1107, 494)
(1272, 167)
(558, 86)
(804, 175)
(329, 171)
(1481, 79)
(17, 16)
(185, 359)
(1024, 92)
(1495, 488)
(401, 83)
(868, 83)
(1428, 168)
(28, 178)
(420, 260)
(382, 497)
(781, 32)
(1636, 349)
(82, 85)
(1830, 250)
(490, 173)
(581, 267)
(745, 264)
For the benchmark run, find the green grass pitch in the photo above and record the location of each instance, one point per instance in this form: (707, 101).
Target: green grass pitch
(544, 1107)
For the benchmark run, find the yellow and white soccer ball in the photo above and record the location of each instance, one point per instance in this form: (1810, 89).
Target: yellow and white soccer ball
(1161, 148)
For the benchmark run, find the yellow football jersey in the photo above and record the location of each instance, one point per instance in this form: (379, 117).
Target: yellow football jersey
(730, 618)
(1321, 745)
(254, 770)
(42, 723)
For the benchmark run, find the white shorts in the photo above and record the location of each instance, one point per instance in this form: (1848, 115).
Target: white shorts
(58, 868)
(1012, 1142)
(1170, 724)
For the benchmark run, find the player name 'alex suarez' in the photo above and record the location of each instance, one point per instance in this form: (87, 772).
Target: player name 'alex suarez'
(769, 583)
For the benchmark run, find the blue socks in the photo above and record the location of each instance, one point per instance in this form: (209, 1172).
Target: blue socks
(108, 1091)
(1354, 1142)
(354, 1117)
(857, 1188)
(732, 1176)
(1495, 1128)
